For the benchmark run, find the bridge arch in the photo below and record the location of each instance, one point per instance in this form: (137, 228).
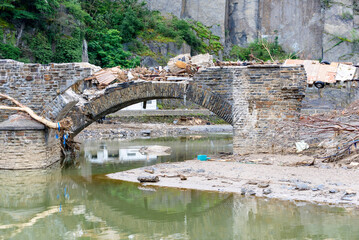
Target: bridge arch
(125, 94)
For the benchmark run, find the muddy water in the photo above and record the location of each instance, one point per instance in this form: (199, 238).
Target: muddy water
(81, 203)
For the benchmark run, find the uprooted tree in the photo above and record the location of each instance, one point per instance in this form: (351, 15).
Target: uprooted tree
(64, 123)
(67, 146)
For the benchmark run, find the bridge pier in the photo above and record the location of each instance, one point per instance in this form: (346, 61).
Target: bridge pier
(266, 102)
(25, 144)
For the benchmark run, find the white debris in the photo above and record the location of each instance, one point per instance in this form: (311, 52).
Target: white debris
(345, 72)
(301, 146)
(130, 76)
(203, 60)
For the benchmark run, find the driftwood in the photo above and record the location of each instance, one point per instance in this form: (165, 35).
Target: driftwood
(182, 177)
(251, 56)
(148, 179)
(343, 124)
(266, 47)
(326, 124)
(64, 124)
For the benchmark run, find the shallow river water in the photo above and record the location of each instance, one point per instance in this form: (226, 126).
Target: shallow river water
(81, 203)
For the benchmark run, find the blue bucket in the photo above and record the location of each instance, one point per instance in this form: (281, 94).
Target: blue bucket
(203, 157)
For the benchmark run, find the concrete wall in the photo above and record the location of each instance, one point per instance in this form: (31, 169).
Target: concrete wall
(36, 85)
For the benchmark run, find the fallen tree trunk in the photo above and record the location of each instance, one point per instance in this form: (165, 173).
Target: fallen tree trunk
(64, 124)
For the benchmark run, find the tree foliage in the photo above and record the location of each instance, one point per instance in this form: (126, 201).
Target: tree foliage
(54, 30)
(107, 51)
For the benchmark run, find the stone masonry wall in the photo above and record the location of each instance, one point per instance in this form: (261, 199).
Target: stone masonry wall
(265, 99)
(218, 80)
(36, 85)
(27, 149)
(332, 97)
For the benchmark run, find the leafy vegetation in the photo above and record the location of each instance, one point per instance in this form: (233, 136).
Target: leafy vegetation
(261, 49)
(9, 51)
(53, 31)
(347, 16)
(326, 3)
(107, 51)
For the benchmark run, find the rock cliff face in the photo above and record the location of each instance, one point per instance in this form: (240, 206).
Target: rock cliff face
(315, 29)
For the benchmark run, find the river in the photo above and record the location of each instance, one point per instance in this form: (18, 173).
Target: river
(81, 203)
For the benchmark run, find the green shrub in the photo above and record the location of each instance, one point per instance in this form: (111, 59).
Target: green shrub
(258, 49)
(69, 48)
(41, 49)
(9, 51)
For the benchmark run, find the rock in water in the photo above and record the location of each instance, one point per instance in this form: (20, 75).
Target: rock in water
(148, 179)
(251, 193)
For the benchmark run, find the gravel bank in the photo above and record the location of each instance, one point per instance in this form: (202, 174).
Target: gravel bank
(272, 176)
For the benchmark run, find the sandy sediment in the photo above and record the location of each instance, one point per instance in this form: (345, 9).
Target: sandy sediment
(273, 176)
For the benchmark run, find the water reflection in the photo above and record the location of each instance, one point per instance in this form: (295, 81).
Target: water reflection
(118, 210)
(78, 204)
(121, 155)
(113, 156)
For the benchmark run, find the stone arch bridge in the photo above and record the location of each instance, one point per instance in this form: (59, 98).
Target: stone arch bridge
(83, 112)
(254, 99)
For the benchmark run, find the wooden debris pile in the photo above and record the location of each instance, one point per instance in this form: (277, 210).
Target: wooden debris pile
(179, 68)
(344, 124)
(105, 77)
(240, 63)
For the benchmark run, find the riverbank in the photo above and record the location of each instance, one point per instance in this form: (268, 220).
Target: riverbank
(136, 130)
(285, 177)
